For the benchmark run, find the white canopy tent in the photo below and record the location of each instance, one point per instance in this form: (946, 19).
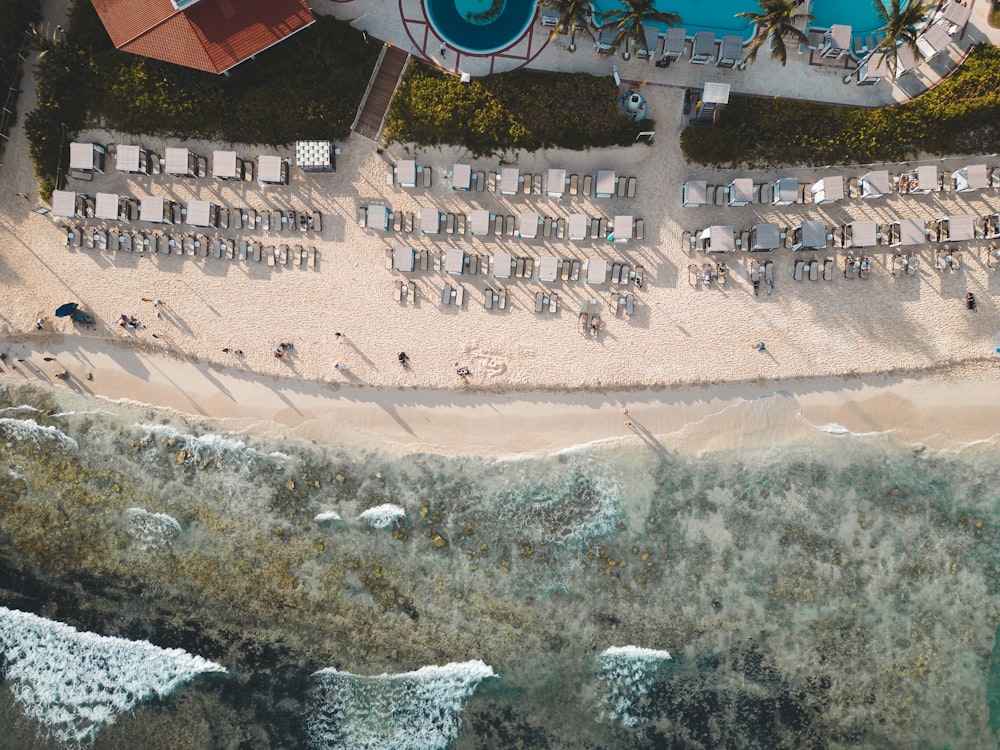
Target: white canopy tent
(461, 177)
(64, 203)
(106, 206)
(957, 228)
(740, 192)
(153, 208)
(623, 228)
(272, 170)
(972, 177)
(765, 237)
(604, 184)
(836, 41)
(555, 183)
(597, 271)
(828, 190)
(694, 193)
(875, 184)
(179, 161)
(502, 264)
(861, 234)
(201, 214)
(378, 217)
(809, 235)
(86, 157)
(430, 220)
(403, 259)
(454, 261)
(527, 228)
(129, 158)
(226, 165)
(479, 221)
(548, 268)
(909, 232)
(720, 239)
(315, 156)
(785, 191)
(406, 173)
(510, 179)
(578, 226)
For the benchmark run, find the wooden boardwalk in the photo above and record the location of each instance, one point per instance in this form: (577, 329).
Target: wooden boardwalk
(383, 85)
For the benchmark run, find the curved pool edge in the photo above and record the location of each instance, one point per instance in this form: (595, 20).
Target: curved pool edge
(510, 38)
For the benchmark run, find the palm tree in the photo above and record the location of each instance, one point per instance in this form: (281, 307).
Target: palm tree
(629, 20)
(776, 22)
(573, 15)
(899, 24)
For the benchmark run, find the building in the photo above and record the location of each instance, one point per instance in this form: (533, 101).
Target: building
(209, 35)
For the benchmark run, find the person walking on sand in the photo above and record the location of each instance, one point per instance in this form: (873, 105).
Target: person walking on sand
(760, 346)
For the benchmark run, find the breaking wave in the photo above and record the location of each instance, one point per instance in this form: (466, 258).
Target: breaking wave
(29, 429)
(383, 516)
(628, 673)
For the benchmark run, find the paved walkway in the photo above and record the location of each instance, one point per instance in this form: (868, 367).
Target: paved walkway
(806, 76)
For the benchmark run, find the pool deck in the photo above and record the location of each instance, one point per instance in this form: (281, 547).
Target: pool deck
(806, 76)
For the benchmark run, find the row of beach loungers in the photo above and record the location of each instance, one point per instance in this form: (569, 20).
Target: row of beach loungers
(192, 245)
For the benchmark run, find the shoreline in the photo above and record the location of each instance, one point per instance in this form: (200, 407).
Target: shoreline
(944, 407)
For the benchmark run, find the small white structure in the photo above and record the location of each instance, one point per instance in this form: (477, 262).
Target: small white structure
(403, 259)
(454, 261)
(202, 214)
(64, 203)
(597, 271)
(378, 217)
(836, 41)
(872, 69)
(785, 191)
(933, 40)
(406, 173)
(920, 181)
(809, 235)
(694, 193)
(180, 161)
(461, 177)
(227, 165)
(272, 170)
(153, 208)
(430, 220)
(730, 51)
(107, 206)
(958, 228)
(502, 264)
(972, 177)
(555, 183)
(479, 221)
(315, 156)
(875, 184)
(764, 237)
(703, 48)
(510, 180)
(527, 228)
(908, 232)
(577, 229)
(719, 239)
(604, 183)
(548, 268)
(623, 228)
(86, 157)
(129, 158)
(828, 190)
(860, 234)
(740, 192)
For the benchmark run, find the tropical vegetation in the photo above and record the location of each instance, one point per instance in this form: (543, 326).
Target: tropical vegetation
(628, 21)
(901, 20)
(18, 18)
(960, 116)
(777, 22)
(309, 86)
(522, 109)
(574, 15)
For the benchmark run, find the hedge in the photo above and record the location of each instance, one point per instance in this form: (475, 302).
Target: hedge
(17, 17)
(309, 86)
(522, 109)
(960, 116)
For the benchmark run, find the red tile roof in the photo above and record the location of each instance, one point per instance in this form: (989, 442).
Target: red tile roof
(212, 35)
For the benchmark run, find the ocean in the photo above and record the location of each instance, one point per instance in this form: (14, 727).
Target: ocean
(165, 585)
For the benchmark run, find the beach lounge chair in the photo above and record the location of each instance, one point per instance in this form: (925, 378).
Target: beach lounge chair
(425, 260)
(992, 257)
(436, 258)
(526, 182)
(411, 293)
(398, 291)
(721, 271)
(588, 185)
(519, 267)
(508, 225)
(941, 264)
(473, 261)
(408, 221)
(693, 274)
(799, 269)
(397, 221)
(912, 265)
(560, 228)
(639, 277)
(595, 229)
(449, 226)
(584, 321)
(769, 273)
(501, 299)
(616, 270)
(300, 255)
(497, 225)
(850, 269)
(362, 217)
(536, 184)
(547, 226)
(814, 270)
(255, 251)
(427, 176)
(488, 298)
(630, 305)
(595, 324)
(529, 268)
(283, 255)
(313, 257)
(574, 184)
(828, 266)
(574, 273)
(480, 181)
(563, 266)
(553, 303)
(460, 224)
(621, 185)
(388, 259)
(640, 229)
(631, 187)
(446, 294)
(956, 261)
(270, 252)
(539, 301)
(492, 182)
(459, 295)
(615, 303)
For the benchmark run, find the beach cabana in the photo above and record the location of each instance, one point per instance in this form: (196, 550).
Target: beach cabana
(606, 38)
(315, 156)
(129, 158)
(956, 228)
(906, 232)
(180, 161)
(378, 217)
(718, 239)
(933, 40)
(730, 51)
(502, 264)
(527, 225)
(828, 190)
(972, 177)
(227, 165)
(991, 226)
(555, 183)
(406, 173)
(454, 261)
(623, 227)
(785, 191)
(919, 181)
(202, 214)
(604, 183)
(548, 268)
(461, 177)
(597, 271)
(836, 41)
(430, 220)
(510, 180)
(403, 259)
(703, 47)
(86, 157)
(479, 221)
(875, 184)
(272, 170)
(957, 15)
(674, 43)
(64, 203)
(872, 70)
(153, 208)
(860, 234)
(764, 237)
(740, 192)
(578, 225)
(905, 60)
(809, 235)
(107, 206)
(694, 193)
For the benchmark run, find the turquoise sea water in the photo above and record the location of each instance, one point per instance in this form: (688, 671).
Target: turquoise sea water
(842, 592)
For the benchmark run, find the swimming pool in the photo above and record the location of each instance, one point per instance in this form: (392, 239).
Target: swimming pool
(480, 26)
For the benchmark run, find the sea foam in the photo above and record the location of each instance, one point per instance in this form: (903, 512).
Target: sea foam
(152, 530)
(383, 516)
(629, 673)
(75, 682)
(327, 516)
(29, 429)
(410, 711)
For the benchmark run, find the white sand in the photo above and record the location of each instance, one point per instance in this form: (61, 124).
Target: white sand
(679, 334)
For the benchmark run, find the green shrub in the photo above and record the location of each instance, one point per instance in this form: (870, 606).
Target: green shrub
(17, 17)
(962, 115)
(522, 109)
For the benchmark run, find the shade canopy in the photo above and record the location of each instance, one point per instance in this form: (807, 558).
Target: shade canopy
(66, 309)
(106, 206)
(85, 156)
(623, 228)
(960, 227)
(152, 208)
(604, 184)
(502, 263)
(128, 158)
(314, 156)
(958, 13)
(454, 260)
(741, 192)
(920, 180)
(178, 161)
(510, 179)
(721, 238)
(731, 49)
(225, 165)
(378, 217)
(972, 177)
(461, 177)
(406, 173)
(828, 190)
(812, 234)
(875, 184)
(271, 169)
(934, 39)
(765, 237)
(548, 268)
(597, 271)
(479, 221)
(555, 183)
(785, 191)
(578, 226)
(694, 193)
(528, 225)
(199, 214)
(863, 234)
(402, 259)
(838, 39)
(430, 220)
(64, 203)
(909, 232)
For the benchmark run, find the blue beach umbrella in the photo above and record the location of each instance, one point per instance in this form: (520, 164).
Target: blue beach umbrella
(64, 310)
